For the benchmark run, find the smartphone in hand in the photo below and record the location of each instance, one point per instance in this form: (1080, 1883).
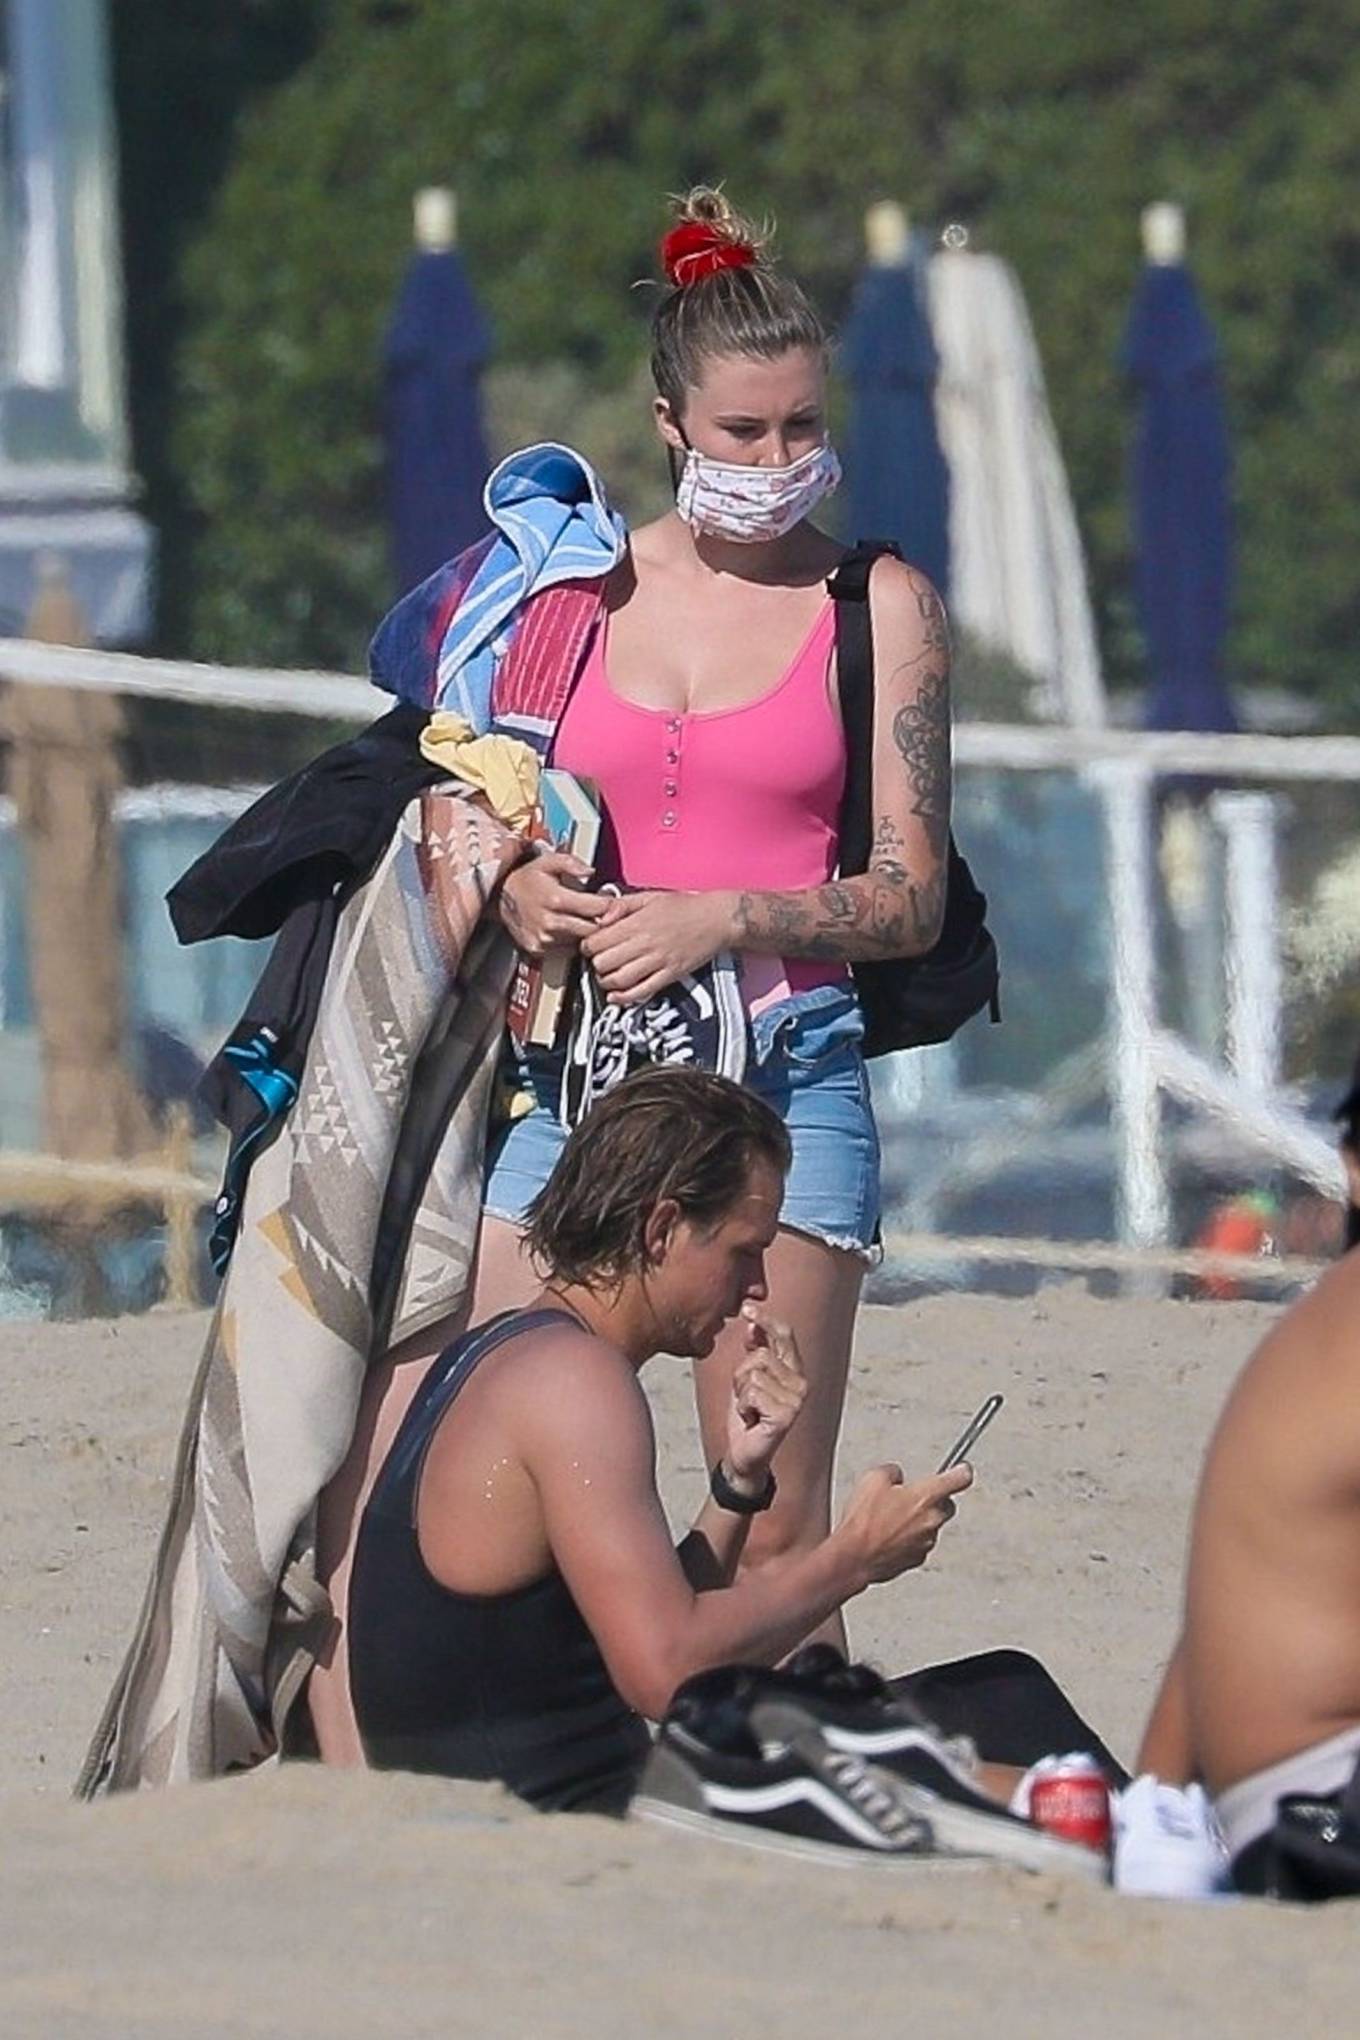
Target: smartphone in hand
(968, 1438)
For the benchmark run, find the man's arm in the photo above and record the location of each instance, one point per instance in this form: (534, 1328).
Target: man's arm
(1167, 1748)
(590, 1450)
(769, 1388)
(710, 1551)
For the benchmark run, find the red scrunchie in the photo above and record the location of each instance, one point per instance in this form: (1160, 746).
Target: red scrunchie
(694, 250)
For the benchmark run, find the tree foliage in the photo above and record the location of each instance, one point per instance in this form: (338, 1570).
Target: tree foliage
(182, 77)
(1046, 128)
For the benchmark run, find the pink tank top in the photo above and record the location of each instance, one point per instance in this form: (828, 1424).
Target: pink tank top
(746, 797)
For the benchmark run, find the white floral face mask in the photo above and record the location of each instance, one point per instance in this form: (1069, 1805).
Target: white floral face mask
(753, 504)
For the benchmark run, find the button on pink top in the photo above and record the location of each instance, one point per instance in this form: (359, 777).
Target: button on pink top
(746, 797)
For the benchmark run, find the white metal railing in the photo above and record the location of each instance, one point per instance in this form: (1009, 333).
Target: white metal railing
(1141, 1060)
(1018, 747)
(293, 693)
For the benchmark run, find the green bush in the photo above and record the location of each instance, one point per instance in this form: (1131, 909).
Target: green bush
(1045, 127)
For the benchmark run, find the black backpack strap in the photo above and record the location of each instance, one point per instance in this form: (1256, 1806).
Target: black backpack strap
(849, 589)
(909, 1001)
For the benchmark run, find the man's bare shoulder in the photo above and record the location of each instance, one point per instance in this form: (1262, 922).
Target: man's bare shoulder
(1336, 1296)
(1303, 1379)
(564, 1376)
(1322, 1329)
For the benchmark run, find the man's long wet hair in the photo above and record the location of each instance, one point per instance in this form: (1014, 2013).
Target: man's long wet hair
(662, 1133)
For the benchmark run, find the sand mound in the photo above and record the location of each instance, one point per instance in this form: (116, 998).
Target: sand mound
(311, 1903)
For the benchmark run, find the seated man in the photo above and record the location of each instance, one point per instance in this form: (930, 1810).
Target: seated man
(1262, 1696)
(517, 1606)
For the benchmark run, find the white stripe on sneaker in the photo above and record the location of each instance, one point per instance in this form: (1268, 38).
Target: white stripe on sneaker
(738, 1799)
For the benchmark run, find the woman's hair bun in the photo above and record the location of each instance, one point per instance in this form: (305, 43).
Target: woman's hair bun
(725, 297)
(709, 235)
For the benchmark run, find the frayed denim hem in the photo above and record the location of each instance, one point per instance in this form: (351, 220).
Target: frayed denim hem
(842, 1243)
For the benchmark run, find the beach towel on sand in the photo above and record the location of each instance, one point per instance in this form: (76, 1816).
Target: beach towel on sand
(357, 1230)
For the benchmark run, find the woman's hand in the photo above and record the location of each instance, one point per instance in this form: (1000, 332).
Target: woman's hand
(646, 940)
(542, 905)
(769, 1388)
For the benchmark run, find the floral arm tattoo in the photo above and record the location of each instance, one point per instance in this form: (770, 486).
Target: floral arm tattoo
(892, 909)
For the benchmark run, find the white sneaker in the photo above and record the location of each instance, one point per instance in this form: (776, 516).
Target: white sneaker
(1167, 1842)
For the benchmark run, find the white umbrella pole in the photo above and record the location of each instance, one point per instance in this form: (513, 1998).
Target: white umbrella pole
(1143, 1208)
(1255, 985)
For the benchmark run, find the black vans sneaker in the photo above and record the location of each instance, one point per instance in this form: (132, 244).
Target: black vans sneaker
(804, 1799)
(819, 1677)
(931, 1783)
(855, 1709)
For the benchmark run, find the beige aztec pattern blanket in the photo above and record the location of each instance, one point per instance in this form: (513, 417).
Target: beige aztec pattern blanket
(414, 996)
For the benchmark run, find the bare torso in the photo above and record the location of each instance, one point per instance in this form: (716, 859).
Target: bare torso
(1272, 1632)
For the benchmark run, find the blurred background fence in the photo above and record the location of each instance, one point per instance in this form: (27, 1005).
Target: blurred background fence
(1097, 298)
(1179, 922)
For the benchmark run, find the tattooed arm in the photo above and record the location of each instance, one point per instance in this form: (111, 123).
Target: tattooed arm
(894, 908)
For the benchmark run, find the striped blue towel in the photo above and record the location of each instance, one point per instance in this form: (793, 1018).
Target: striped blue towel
(555, 524)
(441, 645)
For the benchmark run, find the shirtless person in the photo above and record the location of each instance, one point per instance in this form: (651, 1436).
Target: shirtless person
(1262, 1696)
(517, 1606)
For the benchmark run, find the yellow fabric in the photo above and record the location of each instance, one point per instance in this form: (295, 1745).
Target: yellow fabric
(510, 1101)
(502, 768)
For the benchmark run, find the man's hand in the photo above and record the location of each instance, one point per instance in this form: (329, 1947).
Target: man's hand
(543, 906)
(646, 940)
(768, 1390)
(894, 1525)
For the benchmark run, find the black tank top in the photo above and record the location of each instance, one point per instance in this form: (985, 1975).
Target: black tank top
(509, 1686)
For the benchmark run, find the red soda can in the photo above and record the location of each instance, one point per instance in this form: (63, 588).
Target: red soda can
(1070, 1797)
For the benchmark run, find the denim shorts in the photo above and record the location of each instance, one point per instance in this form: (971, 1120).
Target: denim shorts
(806, 1063)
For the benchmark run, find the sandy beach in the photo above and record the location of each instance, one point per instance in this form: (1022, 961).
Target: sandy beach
(303, 1902)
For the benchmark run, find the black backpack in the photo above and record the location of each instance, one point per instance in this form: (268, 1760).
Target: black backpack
(910, 1001)
(1313, 1850)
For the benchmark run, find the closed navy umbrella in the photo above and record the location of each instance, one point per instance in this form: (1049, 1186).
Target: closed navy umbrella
(897, 478)
(436, 346)
(1181, 512)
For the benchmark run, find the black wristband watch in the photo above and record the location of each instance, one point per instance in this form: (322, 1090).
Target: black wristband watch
(727, 1497)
